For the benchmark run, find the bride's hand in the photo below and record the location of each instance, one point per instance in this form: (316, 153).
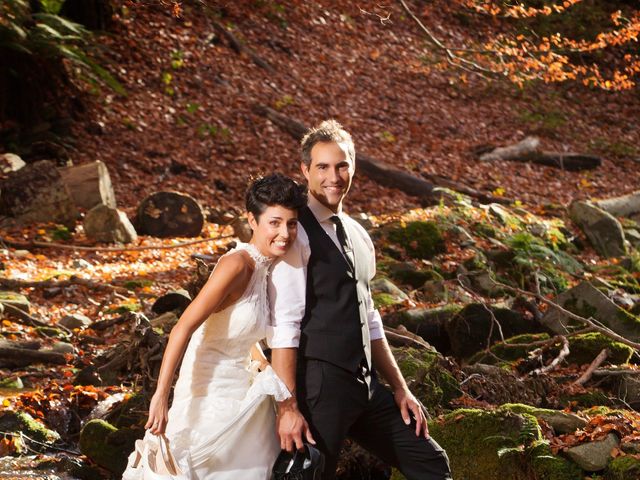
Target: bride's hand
(158, 413)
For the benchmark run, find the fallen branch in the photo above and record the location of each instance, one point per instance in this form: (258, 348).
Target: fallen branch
(623, 371)
(564, 351)
(586, 376)
(240, 48)
(383, 173)
(401, 337)
(27, 357)
(591, 322)
(528, 150)
(23, 316)
(36, 244)
(11, 283)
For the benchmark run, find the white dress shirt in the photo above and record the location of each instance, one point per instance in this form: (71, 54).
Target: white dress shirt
(288, 281)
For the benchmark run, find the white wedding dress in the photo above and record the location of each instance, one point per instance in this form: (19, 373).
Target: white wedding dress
(221, 423)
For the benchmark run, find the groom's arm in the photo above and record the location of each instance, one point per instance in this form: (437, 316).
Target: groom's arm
(287, 292)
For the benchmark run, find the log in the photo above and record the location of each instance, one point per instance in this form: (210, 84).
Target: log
(528, 150)
(169, 214)
(89, 185)
(240, 48)
(383, 173)
(36, 193)
(623, 206)
(22, 357)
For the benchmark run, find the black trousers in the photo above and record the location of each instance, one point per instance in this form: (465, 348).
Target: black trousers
(336, 405)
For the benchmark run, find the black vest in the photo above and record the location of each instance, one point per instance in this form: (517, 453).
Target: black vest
(330, 329)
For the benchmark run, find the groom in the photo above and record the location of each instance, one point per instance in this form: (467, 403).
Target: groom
(328, 340)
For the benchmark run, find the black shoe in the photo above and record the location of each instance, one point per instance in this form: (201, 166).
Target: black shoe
(307, 464)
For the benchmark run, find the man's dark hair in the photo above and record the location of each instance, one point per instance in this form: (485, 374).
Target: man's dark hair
(327, 132)
(275, 189)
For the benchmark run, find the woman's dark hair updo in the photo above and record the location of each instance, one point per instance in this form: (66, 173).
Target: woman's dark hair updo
(275, 189)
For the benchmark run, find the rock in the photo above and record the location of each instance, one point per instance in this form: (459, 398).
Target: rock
(633, 236)
(429, 323)
(546, 466)
(473, 437)
(470, 329)
(12, 383)
(107, 224)
(15, 300)
(386, 287)
(169, 214)
(15, 422)
(430, 381)
(561, 422)
(176, 301)
(584, 348)
(89, 185)
(406, 273)
(61, 347)
(10, 162)
(628, 388)
(594, 456)
(36, 193)
(587, 301)
(419, 239)
(76, 320)
(601, 228)
(632, 447)
(623, 468)
(107, 445)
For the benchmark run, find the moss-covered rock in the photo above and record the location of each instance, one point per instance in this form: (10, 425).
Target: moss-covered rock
(584, 348)
(419, 239)
(546, 466)
(509, 350)
(21, 422)
(15, 300)
(475, 441)
(429, 381)
(623, 468)
(474, 324)
(561, 422)
(107, 445)
(429, 323)
(404, 273)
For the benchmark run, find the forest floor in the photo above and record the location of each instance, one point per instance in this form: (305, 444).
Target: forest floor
(187, 121)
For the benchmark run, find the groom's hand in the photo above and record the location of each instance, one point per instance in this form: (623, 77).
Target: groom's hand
(410, 407)
(291, 426)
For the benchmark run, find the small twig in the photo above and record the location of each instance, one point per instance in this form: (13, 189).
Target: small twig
(85, 282)
(23, 316)
(36, 244)
(605, 372)
(21, 434)
(564, 351)
(383, 20)
(586, 376)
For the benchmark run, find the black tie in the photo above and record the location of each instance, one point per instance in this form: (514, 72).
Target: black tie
(342, 238)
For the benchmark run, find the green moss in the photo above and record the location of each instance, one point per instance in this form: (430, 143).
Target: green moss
(546, 466)
(584, 348)
(15, 422)
(405, 273)
(419, 239)
(623, 468)
(508, 353)
(384, 300)
(106, 445)
(473, 439)
(432, 384)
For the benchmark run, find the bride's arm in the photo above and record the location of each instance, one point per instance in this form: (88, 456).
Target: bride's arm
(228, 281)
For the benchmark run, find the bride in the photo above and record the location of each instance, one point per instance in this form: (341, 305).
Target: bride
(221, 422)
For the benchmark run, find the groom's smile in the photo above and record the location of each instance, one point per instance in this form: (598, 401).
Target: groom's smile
(329, 174)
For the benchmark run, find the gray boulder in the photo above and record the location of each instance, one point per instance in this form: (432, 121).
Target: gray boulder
(107, 224)
(594, 456)
(77, 320)
(15, 300)
(386, 286)
(601, 228)
(587, 301)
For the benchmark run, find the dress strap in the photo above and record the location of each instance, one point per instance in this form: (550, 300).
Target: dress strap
(255, 254)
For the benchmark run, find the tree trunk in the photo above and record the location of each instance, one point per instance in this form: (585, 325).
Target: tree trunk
(89, 185)
(383, 173)
(93, 14)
